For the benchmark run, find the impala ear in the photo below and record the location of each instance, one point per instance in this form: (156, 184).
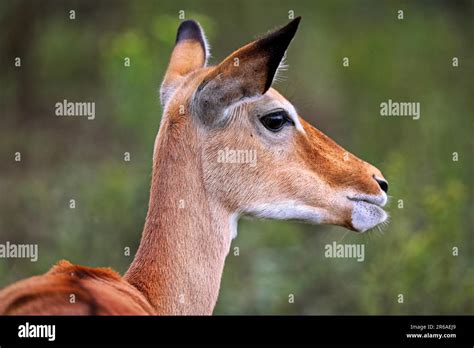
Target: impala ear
(246, 73)
(190, 53)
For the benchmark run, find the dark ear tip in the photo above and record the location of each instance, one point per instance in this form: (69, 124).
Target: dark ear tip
(275, 44)
(189, 30)
(296, 21)
(292, 27)
(283, 36)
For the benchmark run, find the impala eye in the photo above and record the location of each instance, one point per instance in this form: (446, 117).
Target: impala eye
(275, 121)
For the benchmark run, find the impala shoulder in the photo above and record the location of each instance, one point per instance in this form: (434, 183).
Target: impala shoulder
(72, 289)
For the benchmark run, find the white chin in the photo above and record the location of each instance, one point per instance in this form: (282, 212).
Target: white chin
(366, 216)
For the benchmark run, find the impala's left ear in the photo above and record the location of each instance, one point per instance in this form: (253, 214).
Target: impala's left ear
(190, 53)
(246, 73)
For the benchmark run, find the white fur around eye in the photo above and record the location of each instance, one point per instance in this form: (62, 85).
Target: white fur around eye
(274, 100)
(294, 117)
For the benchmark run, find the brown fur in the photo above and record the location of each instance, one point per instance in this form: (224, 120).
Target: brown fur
(96, 291)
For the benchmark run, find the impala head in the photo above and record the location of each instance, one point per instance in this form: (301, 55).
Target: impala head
(258, 156)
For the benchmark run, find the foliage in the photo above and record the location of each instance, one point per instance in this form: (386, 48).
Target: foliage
(407, 60)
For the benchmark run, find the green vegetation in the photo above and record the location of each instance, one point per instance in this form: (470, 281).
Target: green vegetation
(403, 60)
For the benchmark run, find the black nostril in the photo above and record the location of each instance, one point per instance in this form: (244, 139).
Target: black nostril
(383, 184)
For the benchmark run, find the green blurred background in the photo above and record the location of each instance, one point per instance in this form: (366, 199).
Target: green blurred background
(402, 60)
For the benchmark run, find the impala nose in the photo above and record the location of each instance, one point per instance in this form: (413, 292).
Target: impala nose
(382, 183)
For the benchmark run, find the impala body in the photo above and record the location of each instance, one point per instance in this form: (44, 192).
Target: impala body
(196, 199)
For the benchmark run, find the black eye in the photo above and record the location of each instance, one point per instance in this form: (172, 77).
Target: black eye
(275, 121)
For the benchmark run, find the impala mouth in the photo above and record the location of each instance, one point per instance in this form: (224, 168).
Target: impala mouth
(367, 212)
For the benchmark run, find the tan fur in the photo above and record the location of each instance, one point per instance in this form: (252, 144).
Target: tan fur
(194, 198)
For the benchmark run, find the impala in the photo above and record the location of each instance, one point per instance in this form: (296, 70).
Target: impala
(196, 199)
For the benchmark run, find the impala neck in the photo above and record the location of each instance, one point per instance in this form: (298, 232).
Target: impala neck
(179, 263)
